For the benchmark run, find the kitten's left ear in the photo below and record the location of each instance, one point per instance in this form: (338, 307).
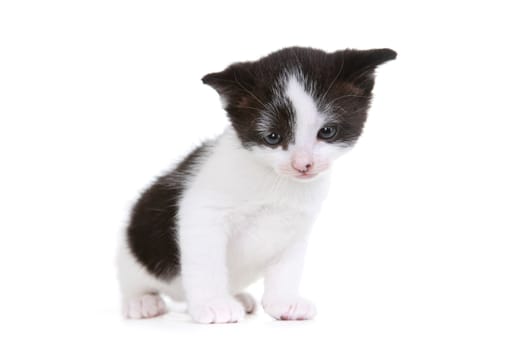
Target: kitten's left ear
(358, 66)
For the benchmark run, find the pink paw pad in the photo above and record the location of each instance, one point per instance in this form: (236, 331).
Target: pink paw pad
(290, 310)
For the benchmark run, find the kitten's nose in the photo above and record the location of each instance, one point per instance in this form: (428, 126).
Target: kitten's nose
(302, 163)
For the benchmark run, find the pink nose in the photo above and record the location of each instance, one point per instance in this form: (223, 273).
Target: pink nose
(302, 164)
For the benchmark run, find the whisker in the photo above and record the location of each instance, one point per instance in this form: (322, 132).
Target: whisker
(333, 81)
(339, 108)
(247, 107)
(345, 96)
(248, 91)
(236, 81)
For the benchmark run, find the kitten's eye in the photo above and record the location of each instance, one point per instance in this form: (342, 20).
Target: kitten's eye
(327, 133)
(272, 139)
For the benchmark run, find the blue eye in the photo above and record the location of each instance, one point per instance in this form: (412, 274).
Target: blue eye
(273, 139)
(327, 133)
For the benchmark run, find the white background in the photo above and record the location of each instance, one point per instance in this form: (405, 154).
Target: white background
(421, 242)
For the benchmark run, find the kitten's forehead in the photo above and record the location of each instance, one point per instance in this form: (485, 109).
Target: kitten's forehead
(302, 102)
(292, 111)
(308, 118)
(296, 110)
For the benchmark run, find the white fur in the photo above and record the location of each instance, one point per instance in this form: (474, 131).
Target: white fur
(237, 219)
(244, 215)
(308, 119)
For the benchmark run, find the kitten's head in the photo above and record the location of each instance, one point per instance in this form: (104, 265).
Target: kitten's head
(298, 109)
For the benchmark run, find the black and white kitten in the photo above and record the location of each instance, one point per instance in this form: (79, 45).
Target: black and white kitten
(241, 206)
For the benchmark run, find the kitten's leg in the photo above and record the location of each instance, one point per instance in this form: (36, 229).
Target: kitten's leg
(204, 273)
(140, 298)
(281, 298)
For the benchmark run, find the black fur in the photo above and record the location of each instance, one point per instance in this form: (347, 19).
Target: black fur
(340, 82)
(152, 231)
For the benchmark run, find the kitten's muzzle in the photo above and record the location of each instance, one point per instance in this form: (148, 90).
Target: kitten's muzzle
(303, 169)
(302, 162)
(303, 165)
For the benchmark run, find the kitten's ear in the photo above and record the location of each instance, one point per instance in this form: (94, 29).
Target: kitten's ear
(358, 66)
(231, 82)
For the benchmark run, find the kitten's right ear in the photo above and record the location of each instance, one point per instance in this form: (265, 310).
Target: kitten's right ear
(232, 82)
(218, 81)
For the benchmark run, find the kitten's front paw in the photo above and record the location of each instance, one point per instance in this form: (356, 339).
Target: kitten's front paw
(145, 306)
(289, 309)
(225, 310)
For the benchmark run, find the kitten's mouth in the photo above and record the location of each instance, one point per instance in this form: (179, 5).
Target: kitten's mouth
(302, 176)
(299, 176)
(305, 176)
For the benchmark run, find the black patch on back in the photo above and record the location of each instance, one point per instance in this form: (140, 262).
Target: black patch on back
(341, 83)
(152, 230)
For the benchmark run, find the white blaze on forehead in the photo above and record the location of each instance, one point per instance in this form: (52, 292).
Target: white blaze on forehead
(307, 118)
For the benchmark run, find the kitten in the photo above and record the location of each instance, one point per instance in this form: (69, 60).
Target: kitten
(241, 206)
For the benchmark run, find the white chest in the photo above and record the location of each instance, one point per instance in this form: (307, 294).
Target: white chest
(258, 234)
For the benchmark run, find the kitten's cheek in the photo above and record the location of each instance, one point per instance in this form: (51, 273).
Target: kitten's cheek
(321, 167)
